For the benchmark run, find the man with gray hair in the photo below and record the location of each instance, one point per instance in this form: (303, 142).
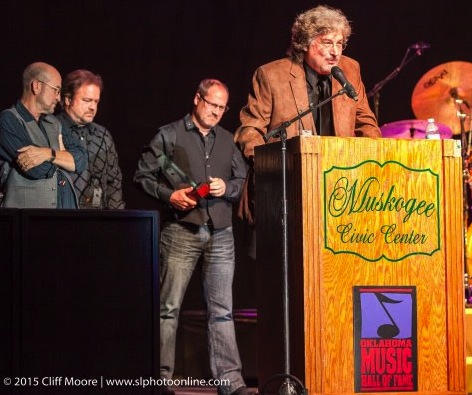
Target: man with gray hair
(40, 158)
(286, 87)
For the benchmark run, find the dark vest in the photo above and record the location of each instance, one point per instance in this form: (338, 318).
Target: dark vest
(22, 192)
(191, 159)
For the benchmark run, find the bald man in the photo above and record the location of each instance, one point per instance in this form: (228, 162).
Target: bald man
(40, 157)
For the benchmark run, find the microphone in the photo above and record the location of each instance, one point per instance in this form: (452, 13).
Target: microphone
(420, 46)
(341, 78)
(458, 100)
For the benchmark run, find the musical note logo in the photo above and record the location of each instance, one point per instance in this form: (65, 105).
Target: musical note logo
(385, 322)
(387, 331)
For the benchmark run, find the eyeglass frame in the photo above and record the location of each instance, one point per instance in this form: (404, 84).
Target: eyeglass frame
(56, 89)
(328, 44)
(214, 106)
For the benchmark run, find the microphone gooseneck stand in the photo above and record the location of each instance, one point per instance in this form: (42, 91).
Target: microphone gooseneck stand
(375, 91)
(288, 386)
(466, 146)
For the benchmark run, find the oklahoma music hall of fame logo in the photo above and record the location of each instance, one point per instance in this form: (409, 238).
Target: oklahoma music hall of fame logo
(385, 339)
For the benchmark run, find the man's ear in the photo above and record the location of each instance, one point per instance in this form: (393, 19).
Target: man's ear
(36, 87)
(67, 100)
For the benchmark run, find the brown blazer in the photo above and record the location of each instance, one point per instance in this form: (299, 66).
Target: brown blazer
(280, 93)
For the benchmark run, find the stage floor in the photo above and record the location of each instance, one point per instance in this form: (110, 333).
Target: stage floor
(201, 390)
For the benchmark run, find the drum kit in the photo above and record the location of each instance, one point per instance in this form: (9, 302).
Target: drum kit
(445, 94)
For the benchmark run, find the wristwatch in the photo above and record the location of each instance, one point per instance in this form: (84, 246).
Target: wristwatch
(53, 156)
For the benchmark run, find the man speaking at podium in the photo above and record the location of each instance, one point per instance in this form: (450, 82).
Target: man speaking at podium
(284, 88)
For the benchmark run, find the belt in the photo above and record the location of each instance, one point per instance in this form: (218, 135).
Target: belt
(195, 227)
(209, 225)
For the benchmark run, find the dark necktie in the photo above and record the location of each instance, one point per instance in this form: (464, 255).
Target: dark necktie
(323, 121)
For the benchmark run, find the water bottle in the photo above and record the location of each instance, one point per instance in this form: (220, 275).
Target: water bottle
(432, 130)
(468, 289)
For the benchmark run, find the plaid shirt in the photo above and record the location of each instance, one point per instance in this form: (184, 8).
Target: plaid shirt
(100, 185)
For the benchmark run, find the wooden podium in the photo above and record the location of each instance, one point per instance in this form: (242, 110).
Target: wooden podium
(376, 264)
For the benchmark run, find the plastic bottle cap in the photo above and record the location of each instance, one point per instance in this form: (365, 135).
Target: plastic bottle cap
(430, 119)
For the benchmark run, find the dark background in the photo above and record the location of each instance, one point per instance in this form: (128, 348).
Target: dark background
(152, 54)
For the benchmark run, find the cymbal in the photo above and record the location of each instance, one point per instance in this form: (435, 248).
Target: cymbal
(412, 129)
(439, 92)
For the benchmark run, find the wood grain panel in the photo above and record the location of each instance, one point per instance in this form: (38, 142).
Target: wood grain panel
(322, 279)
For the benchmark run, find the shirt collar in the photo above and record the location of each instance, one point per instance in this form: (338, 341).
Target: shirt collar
(69, 123)
(23, 111)
(190, 125)
(67, 120)
(27, 116)
(312, 76)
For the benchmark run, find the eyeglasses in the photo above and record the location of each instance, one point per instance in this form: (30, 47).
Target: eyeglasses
(55, 88)
(214, 106)
(327, 44)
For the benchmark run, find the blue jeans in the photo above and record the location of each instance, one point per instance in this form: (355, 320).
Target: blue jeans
(181, 248)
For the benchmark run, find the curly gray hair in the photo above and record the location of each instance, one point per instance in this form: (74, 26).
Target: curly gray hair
(312, 23)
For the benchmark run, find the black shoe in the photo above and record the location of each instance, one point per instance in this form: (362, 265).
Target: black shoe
(242, 391)
(164, 390)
